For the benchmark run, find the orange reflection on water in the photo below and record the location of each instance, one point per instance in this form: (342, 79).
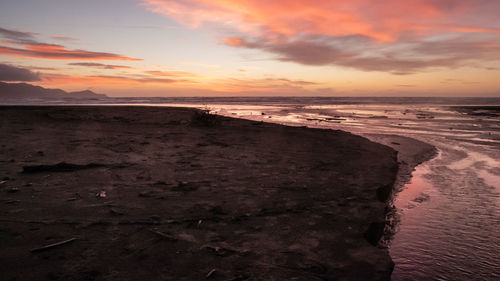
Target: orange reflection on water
(415, 192)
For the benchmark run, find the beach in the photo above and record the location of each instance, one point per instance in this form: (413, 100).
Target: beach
(250, 140)
(156, 193)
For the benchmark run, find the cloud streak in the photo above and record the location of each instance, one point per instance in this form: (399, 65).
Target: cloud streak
(23, 44)
(57, 52)
(171, 74)
(100, 65)
(270, 85)
(17, 36)
(64, 38)
(62, 79)
(9, 73)
(398, 58)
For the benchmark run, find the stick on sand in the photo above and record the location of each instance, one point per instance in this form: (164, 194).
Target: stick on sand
(52, 245)
(166, 236)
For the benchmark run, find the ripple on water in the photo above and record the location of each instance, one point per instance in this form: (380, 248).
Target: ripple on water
(459, 227)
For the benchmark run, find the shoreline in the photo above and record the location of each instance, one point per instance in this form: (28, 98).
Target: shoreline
(179, 195)
(411, 154)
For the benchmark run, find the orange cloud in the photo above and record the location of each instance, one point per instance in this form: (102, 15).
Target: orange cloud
(226, 86)
(64, 38)
(395, 36)
(409, 57)
(233, 41)
(57, 52)
(100, 65)
(29, 47)
(384, 20)
(171, 73)
(263, 85)
(62, 79)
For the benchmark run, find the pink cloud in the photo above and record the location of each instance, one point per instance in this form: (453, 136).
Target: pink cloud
(396, 36)
(106, 79)
(64, 38)
(384, 20)
(100, 65)
(410, 57)
(57, 52)
(24, 44)
(157, 73)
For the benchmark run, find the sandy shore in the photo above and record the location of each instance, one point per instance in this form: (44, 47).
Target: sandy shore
(411, 153)
(149, 193)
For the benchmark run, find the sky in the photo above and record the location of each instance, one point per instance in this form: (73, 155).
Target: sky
(148, 48)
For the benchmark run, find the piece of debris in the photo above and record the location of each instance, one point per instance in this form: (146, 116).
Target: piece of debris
(59, 167)
(210, 273)
(47, 247)
(166, 236)
(115, 212)
(221, 251)
(2, 182)
(422, 197)
(13, 190)
(145, 194)
(101, 194)
(185, 186)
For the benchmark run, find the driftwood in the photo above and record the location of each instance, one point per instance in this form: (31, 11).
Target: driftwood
(166, 236)
(50, 246)
(59, 167)
(210, 273)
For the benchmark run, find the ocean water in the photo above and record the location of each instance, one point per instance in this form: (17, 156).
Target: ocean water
(449, 212)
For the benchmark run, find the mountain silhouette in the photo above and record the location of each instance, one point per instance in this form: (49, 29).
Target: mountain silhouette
(21, 91)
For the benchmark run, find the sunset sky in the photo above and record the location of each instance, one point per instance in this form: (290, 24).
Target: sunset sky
(254, 47)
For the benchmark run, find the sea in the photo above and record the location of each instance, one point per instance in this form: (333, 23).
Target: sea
(448, 213)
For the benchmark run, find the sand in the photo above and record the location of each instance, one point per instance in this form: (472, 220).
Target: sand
(150, 193)
(411, 153)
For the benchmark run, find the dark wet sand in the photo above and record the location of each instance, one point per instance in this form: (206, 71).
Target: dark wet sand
(146, 193)
(411, 153)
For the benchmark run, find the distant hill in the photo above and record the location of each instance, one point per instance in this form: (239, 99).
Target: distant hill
(20, 91)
